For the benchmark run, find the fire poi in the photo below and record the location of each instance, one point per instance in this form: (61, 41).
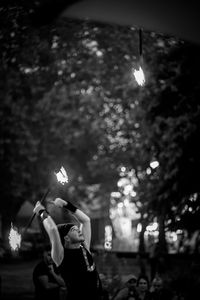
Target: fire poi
(138, 71)
(139, 76)
(62, 176)
(14, 236)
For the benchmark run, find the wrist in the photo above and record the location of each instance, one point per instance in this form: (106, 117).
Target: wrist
(43, 213)
(69, 206)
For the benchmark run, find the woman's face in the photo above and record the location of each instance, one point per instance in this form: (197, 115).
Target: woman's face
(142, 285)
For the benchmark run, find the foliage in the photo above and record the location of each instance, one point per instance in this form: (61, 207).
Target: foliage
(69, 98)
(172, 127)
(57, 103)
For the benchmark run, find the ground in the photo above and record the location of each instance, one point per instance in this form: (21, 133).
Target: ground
(16, 280)
(182, 272)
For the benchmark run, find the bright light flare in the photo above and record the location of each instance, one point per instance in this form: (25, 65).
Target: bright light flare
(62, 176)
(139, 227)
(139, 76)
(108, 237)
(152, 227)
(14, 238)
(154, 164)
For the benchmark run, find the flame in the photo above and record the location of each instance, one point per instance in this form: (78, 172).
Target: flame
(14, 238)
(62, 176)
(139, 76)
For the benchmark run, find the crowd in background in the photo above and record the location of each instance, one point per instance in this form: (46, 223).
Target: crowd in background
(48, 283)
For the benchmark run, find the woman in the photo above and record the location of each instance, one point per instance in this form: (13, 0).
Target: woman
(143, 288)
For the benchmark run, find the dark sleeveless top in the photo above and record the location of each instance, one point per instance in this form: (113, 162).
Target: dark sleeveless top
(81, 283)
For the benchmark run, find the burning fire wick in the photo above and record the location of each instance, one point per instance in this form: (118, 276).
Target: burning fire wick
(14, 238)
(139, 76)
(62, 176)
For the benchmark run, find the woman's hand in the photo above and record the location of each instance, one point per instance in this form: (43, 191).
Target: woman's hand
(60, 202)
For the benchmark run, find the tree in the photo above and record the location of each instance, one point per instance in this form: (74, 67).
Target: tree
(171, 118)
(37, 131)
(74, 102)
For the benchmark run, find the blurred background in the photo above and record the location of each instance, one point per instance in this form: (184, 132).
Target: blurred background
(71, 97)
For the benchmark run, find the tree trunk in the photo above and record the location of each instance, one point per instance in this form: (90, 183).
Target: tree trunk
(142, 249)
(162, 246)
(141, 239)
(162, 240)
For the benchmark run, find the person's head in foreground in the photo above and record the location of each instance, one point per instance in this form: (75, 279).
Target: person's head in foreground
(70, 234)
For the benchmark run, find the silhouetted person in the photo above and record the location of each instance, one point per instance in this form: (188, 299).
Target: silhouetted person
(47, 280)
(159, 291)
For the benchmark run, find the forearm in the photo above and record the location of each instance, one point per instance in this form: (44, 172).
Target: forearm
(86, 226)
(81, 216)
(57, 251)
(52, 231)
